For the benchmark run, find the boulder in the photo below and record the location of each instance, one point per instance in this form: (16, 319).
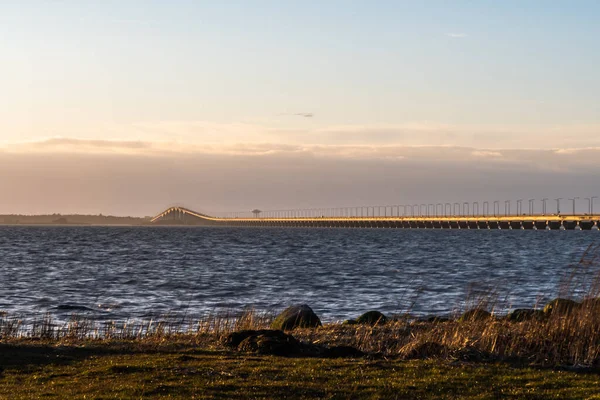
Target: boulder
(298, 316)
(349, 322)
(476, 314)
(561, 306)
(525, 314)
(273, 342)
(372, 318)
(235, 338)
(278, 343)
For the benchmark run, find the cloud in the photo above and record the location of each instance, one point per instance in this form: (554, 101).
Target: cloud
(91, 144)
(300, 114)
(456, 35)
(577, 150)
(284, 131)
(563, 159)
(486, 153)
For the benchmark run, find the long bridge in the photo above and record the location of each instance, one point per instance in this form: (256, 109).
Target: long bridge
(391, 218)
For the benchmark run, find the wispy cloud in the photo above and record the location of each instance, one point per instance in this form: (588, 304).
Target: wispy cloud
(457, 35)
(486, 153)
(543, 159)
(301, 114)
(202, 133)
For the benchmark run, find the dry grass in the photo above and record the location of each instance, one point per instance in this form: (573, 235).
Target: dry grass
(81, 328)
(559, 340)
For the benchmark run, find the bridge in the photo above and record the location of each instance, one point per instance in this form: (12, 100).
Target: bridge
(354, 217)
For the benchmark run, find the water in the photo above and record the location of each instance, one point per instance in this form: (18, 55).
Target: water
(124, 273)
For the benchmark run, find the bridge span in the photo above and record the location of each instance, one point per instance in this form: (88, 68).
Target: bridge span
(184, 216)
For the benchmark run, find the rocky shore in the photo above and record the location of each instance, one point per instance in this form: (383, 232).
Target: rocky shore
(563, 333)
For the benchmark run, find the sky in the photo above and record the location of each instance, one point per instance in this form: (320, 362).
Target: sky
(127, 107)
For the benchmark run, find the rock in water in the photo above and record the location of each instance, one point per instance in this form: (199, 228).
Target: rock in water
(372, 318)
(298, 316)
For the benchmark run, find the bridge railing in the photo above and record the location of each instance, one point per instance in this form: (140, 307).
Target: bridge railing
(467, 209)
(493, 208)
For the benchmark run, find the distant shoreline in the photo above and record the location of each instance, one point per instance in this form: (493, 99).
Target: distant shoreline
(73, 224)
(71, 220)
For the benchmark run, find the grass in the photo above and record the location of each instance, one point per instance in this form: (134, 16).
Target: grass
(179, 370)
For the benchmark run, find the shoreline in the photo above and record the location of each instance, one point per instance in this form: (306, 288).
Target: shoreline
(387, 335)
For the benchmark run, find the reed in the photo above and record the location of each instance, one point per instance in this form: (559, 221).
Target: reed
(78, 327)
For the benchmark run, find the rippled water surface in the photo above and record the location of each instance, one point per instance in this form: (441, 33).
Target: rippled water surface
(128, 273)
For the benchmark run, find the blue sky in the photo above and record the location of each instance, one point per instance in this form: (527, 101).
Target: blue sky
(489, 63)
(351, 80)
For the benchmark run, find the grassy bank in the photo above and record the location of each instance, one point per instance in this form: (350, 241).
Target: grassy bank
(183, 370)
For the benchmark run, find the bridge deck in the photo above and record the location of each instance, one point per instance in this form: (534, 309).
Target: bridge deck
(181, 215)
